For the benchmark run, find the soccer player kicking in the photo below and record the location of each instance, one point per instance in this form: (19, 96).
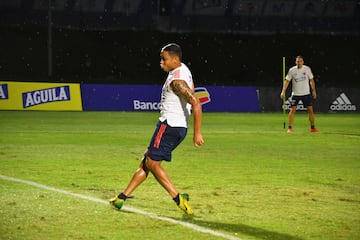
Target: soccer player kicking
(177, 102)
(300, 76)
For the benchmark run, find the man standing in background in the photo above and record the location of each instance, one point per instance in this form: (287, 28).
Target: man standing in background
(302, 79)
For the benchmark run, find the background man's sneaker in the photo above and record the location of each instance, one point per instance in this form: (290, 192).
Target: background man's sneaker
(314, 130)
(289, 130)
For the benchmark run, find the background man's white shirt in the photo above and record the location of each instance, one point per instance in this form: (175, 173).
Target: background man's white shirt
(300, 80)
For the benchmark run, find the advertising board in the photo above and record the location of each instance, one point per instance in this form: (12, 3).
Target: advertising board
(147, 98)
(40, 96)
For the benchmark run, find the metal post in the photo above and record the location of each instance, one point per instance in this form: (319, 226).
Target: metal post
(50, 42)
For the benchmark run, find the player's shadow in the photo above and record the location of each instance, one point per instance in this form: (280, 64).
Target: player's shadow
(244, 229)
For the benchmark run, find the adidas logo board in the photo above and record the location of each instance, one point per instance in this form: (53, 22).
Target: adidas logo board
(342, 103)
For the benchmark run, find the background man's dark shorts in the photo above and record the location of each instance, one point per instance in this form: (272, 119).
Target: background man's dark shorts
(306, 100)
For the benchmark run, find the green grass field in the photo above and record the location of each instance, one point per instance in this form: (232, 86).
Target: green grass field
(250, 180)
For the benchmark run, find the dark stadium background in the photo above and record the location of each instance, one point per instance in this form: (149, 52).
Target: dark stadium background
(232, 42)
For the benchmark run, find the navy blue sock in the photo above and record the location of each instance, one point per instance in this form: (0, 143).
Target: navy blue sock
(177, 199)
(122, 196)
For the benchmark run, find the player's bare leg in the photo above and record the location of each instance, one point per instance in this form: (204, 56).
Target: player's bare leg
(139, 176)
(161, 176)
(311, 115)
(291, 117)
(312, 119)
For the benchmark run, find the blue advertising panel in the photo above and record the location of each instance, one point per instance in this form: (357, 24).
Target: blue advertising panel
(232, 99)
(147, 98)
(115, 97)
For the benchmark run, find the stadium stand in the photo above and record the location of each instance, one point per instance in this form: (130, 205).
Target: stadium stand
(228, 42)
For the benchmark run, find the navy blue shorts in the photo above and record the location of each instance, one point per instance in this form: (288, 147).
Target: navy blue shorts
(164, 141)
(306, 100)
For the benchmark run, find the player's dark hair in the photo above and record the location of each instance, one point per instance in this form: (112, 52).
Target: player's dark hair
(173, 49)
(300, 56)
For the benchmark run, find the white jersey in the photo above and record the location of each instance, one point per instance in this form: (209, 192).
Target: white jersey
(300, 80)
(173, 108)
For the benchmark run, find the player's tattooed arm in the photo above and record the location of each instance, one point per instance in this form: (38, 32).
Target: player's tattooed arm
(182, 89)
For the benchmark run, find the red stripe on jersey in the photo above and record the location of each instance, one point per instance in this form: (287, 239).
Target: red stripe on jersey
(177, 74)
(159, 135)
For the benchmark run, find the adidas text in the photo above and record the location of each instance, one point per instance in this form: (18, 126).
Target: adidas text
(343, 107)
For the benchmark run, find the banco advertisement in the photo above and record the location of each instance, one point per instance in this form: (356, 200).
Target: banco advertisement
(147, 98)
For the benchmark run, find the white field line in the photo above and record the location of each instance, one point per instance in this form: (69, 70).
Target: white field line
(129, 209)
